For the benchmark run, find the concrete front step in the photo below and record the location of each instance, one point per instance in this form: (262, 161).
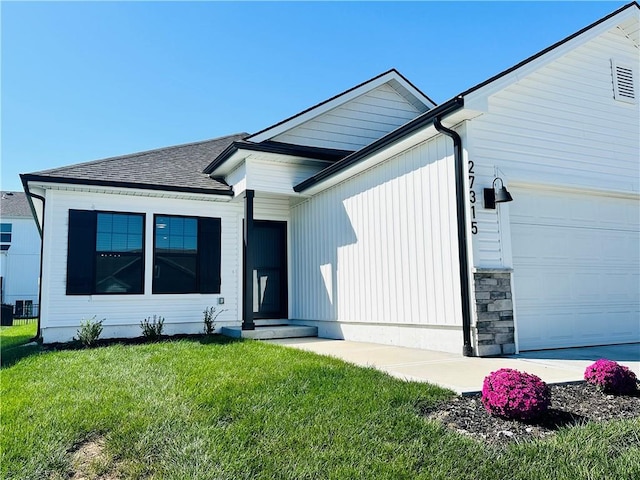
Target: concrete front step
(271, 332)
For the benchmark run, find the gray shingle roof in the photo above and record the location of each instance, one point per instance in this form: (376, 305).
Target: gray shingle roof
(173, 168)
(14, 204)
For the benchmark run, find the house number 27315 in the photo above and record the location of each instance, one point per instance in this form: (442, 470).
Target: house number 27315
(472, 198)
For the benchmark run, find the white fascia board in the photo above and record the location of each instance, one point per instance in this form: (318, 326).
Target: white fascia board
(336, 102)
(479, 97)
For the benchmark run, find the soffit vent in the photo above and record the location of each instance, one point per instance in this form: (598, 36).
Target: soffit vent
(623, 82)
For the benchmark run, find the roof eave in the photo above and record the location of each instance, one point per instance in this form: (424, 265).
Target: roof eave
(312, 153)
(26, 178)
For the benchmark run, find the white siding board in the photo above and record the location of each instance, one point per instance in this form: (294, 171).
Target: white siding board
(390, 236)
(558, 125)
(277, 177)
(356, 123)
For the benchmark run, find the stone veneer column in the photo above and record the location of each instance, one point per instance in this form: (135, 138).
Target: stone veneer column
(494, 329)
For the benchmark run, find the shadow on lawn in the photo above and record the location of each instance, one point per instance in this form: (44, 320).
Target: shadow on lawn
(9, 356)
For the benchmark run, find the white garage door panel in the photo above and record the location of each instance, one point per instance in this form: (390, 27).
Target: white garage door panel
(576, 269)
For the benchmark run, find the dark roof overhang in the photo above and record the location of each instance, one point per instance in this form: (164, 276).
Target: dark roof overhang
(110, 183)
(315, 153)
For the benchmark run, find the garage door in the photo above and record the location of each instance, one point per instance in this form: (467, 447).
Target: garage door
(576, 261)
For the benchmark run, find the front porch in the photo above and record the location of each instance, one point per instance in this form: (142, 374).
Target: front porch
(271, 332)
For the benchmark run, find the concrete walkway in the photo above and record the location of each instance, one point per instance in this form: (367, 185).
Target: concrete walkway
(465, 375)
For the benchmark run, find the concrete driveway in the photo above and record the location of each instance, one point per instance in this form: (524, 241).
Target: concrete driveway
(464, 375)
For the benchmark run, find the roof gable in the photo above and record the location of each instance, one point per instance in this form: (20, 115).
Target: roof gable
(625, 19)
(369, 110)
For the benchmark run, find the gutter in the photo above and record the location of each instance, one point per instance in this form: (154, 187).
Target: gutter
(463, 257)
(31, 196)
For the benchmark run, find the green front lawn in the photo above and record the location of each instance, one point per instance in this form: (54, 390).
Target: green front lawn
(244, 410)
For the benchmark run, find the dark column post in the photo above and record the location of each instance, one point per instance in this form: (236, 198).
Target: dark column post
(247, 321)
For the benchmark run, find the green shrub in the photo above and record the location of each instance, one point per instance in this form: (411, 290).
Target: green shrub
(89, 331)
(209, 318)
(152, 329)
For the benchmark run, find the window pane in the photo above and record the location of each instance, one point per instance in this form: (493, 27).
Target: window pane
(134, 243)
(191, 227)
(103, 242)
(5, 237)
(4, 247)
(118, 273)
(177, 226)
(176, 242)
(5, 227)
(105, 222)
(120, 223)
(119, 242)
(174, 273)
(135, 224)
(175, 261)
(191, 244)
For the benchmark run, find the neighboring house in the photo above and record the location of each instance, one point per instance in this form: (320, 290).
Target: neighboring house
(366, 215)
(19, 254)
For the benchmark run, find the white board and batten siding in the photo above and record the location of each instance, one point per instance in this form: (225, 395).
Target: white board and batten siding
(568, 152)
(375, 258)
(61, 313)
(356, 123)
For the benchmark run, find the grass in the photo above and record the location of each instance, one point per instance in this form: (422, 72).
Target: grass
(221, 409)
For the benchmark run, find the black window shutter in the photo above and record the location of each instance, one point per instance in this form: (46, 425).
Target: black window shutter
(81, 252)
(209, 254)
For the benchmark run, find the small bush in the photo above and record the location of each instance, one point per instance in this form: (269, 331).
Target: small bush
(209, 319)
(517, 395)
(89, 331)
(152, 329)
(611, 377)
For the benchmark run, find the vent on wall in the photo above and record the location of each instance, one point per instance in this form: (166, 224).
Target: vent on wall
(623, 82)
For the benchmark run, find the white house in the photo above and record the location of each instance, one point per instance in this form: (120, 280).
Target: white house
(372, 217)
(19, 254)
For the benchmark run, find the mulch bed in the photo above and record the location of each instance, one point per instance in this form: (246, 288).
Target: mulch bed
(570, 405)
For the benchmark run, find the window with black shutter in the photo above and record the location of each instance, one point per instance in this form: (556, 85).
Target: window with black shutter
(105, 253)
(186, 254)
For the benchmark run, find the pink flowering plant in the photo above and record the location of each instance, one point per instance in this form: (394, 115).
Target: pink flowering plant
(512, 394)
(611, 377)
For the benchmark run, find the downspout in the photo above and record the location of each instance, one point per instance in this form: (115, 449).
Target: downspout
(463, 257)
(42, 199)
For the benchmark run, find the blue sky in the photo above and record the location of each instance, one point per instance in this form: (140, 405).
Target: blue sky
(87, 80)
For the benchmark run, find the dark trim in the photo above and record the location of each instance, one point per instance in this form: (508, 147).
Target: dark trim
(315, 153)
(30, 196)
(463, 258)
(548, 49)
(110, 183)
(247, 278)
(419, 122)
(333, 98)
